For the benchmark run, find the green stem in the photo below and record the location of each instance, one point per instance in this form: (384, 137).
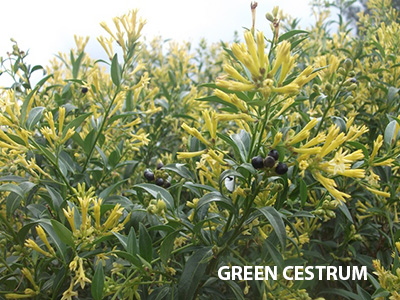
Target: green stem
(173, 252)
(103, 123)
(330, 102)
(10, 228)
(54, 164)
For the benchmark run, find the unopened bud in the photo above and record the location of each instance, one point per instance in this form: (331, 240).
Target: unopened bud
(269, 17)
(342, 71)
(328, 87)
(352, 87)
(275, 11)
(348, 64)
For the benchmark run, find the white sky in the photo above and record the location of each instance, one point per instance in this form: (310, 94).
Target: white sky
(48, 26)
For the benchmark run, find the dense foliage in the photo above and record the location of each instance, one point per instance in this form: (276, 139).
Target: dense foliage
(137, 177)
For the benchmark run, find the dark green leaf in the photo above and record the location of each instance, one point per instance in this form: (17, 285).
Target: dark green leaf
(345, 211)
(9, 187)
(116, 72)
(236, 289)
(289, 34)
(215, 197)
(75, 123)
(145, 244)
(275, 219)
(275, 254)
(153, 190)
(13, 201)
(28, 98)
(57, 242)
(167, 246)
(98, 282)
(215, 99)
(34, 116)
(242, 141)
(390, 132)
(131, 242)
(63, 233)
(129, 257)
(179, 169)
(193, 272)
(303, 192)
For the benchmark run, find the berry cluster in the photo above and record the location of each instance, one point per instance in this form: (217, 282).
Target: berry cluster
(269, 162)
(161, 178)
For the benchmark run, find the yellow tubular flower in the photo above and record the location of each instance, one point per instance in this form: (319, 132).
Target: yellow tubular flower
(96, 211)
(69, 293)
(61, 117)
(386, 162)
(377, 145)
(24, 135)
(84, 204)
(330, 186)
(291, 88)
(355, 131)
(113, 218)
(286, 67)
(81, 276)
(223, 96)
(217, 157)
(7, 139)
(69, 214)
(282, 54)
(106, 28)
(304, 133)
(284, 107)
(379, 193)
(262, 233)
(231, 98)
(49, 118)
(209, 124)
(183, 155)
(354, 173)
(107, 47)
(28, 293)
(315, 141)
(308, 151)
(239, 51)
(28, 275)
(29, 243)
(235, 86)
(194, 132)
(230, 117)
(277, 139)
(305, 76)
(333, 140)
(251, 46)
(70, 133)
(234, 73)
(238, 102)
(43, 237)
(260, 49)
(80, 42)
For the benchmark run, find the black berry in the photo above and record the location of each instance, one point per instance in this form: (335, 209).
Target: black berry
(149, 175)
(167, 184)
(281, 168)
(273, 153)
(160, 181)
(84, 90)
(160, 165)
(269, 162)
(353, 80)
(257, 162)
